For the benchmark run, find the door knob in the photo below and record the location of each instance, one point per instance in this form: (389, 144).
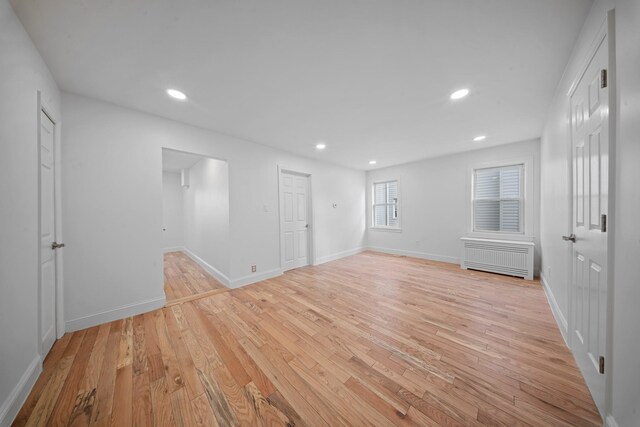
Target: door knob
(56, 245)
(306, 226)
(570, 238)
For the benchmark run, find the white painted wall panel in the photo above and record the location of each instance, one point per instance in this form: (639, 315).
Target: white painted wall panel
(626, 325)
(22, 74)
(206, 213)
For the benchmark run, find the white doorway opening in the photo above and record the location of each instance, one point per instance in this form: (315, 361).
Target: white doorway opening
(195, 228)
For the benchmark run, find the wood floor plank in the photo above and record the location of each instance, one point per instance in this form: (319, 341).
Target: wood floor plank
(187, 367)
(142, 410)
(184, 280)
(291, 416)
(62, 412)
(43, 408)
(202, 412)
(266, 413)
(139, 347)
(161, 403)
(49, 364)
(182, 409)
(295, 399)
(339, 397)
(371, 339)
(219, 403)
(258, 378)
(107, 379)
(244, 412)
(171, 367)
(122, 413)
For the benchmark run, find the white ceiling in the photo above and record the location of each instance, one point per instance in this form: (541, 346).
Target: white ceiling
(175, 161)
(371, 78)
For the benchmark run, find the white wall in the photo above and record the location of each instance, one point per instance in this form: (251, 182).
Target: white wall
(118, 221)
(22, 74)
(626, 322)
(555, 220)
(206, 213)
(172, 211)
(434, 201)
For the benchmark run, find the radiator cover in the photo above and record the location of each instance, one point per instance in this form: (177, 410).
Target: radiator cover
(514, 258)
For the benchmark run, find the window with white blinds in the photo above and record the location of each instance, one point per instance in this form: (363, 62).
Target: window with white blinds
(385, 205)
(498, 199)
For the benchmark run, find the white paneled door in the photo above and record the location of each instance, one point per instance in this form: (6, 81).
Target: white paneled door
(294, 220)
(47, 235)
(590, 152)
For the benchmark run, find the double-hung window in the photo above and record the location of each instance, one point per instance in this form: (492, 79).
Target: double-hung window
(498, 199)
(385, 205)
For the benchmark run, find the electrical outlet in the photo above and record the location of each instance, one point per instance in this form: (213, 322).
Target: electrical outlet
(253, 268)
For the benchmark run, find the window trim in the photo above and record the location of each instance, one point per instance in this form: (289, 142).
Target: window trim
(373, 204)
(520, 199)
(528, 198)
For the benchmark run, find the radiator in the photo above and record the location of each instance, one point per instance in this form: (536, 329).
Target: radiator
(514, 258)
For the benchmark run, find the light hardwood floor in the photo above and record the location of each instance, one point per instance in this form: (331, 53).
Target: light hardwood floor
(184, 280)
(367, 340)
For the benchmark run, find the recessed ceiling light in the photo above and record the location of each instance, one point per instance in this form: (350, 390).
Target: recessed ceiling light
(321, 146)
(372, 162)
(461, 93)
(174, 93)
(479, 138)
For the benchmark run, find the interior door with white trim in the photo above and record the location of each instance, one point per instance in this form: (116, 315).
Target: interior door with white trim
(590, 157)
(294, 211)
(47, 235)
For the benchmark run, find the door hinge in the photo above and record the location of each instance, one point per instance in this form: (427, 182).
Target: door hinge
(601, 365)
(56, 245)
(603, 222)
(603, 79)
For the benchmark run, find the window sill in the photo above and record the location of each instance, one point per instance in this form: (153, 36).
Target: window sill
(390, 229)
(500, 236)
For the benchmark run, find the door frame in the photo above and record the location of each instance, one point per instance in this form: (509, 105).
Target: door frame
(607, 30)
(311, 237)
(54, 116)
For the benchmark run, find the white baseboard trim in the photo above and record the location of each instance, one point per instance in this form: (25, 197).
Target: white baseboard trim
(227, 281)
(219, 275)
(338, 255)
(610, 421)
(115, 314)
(11, 406)
(253, 278)
(414, 254)
(174, 249)
(555, 309)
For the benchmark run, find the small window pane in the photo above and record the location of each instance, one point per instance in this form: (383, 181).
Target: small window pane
(392, 189)
(510, 183)
(392, 215)
(380, 215)
(487, 215)
(380, 193)
(487, 184)
(510, 215)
